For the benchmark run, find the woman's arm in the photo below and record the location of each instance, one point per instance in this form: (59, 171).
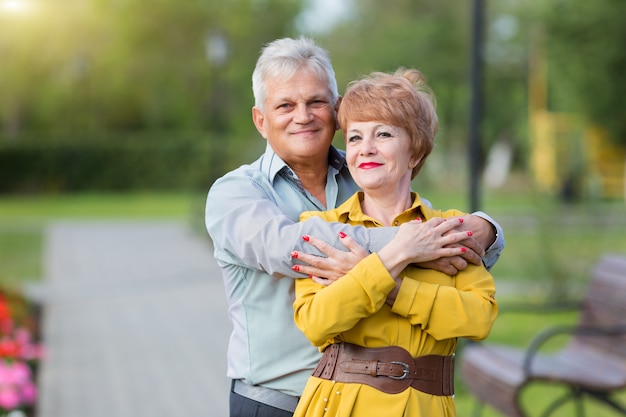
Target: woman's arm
(467, 309)
(322, 312)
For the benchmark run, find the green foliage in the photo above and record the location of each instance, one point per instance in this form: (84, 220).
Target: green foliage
(130, 65)
(587, 60)
(118, 66)
(431, 36)
(115, 162)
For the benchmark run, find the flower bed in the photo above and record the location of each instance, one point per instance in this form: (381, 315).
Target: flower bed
(20, 353)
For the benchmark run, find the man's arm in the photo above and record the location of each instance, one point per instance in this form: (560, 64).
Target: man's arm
(485, 234)
(248, 228)
(492, 240)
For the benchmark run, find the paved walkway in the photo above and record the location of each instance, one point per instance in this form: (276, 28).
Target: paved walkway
(134, 322)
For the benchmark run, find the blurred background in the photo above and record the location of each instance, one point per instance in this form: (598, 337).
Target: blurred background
(131, 109)
(118, 95)
(117, 100)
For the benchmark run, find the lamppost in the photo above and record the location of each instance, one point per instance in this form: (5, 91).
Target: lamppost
(217, 51)
(476, 104)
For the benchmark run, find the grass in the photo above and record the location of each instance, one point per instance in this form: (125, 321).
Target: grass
(550, 250)
(24, 218)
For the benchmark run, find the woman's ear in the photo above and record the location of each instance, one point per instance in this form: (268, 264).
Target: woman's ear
(414, 162)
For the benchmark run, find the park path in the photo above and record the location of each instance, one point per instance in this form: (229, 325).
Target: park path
(134, 322)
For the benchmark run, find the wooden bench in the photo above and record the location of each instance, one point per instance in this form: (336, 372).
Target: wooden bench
(592, 364)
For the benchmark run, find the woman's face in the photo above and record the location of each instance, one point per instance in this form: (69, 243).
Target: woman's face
(379, 156)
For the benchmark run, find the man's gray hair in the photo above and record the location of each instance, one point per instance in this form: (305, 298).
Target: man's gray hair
(283, 57)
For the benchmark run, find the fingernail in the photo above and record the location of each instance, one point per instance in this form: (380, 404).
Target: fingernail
(469, 233)
(460, 220)
(342, 235)
(462, 250)
(310, 276)
(306, 238)
(294, 254)
(296, 268)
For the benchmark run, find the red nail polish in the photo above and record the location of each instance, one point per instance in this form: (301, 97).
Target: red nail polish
(294, 254)
(469, 233)
(305, 238)
(296, 268)
(342, 235)
(460, 220)
(462, 250)
(310, 276)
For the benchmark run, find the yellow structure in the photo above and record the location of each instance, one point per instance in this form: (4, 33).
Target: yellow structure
(565, 153)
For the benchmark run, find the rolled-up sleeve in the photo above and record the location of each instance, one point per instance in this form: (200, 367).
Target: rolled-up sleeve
(492, 254)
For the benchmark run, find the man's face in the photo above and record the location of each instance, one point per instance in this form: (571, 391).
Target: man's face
(299, 120)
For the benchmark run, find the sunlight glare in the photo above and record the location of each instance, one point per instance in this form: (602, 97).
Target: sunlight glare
(14, 6)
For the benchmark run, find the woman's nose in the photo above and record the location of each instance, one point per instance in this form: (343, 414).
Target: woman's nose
(368, 145)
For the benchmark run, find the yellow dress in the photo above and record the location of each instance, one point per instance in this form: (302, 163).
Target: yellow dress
(431, 311)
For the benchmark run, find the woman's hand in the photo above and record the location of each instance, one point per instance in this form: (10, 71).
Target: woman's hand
(482, 236)
(337, 263)
(421, 242)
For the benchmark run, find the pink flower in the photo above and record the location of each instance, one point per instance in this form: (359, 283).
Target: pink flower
(14, 373)
(29, 393)
(9, 398)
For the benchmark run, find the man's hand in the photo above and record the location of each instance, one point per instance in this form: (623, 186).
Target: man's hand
(337, 263)
(483, 231)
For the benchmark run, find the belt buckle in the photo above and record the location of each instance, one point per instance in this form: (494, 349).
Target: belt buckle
(405, 372)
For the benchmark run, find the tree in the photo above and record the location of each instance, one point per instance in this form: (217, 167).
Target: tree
(109, 65)
(587, 60)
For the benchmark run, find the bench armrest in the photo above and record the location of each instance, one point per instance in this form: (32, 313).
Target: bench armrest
(549, 333)
(555, 306)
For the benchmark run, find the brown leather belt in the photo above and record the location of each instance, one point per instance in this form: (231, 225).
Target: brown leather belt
(389, 369)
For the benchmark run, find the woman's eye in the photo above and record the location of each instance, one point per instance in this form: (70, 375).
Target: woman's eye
(384, 134)
(353, 138)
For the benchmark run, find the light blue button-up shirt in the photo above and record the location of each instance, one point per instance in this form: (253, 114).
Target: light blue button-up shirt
(252, 217)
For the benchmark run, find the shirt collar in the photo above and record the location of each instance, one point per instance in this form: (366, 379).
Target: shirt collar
(273, 164)
(351, 211)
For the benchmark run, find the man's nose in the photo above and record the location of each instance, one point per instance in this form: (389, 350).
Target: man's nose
(302, 114)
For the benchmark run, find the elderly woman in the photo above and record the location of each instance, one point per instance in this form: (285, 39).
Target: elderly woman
(389, 330)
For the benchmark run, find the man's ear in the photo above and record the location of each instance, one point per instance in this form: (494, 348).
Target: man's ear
(337, 104)
(259, 120)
